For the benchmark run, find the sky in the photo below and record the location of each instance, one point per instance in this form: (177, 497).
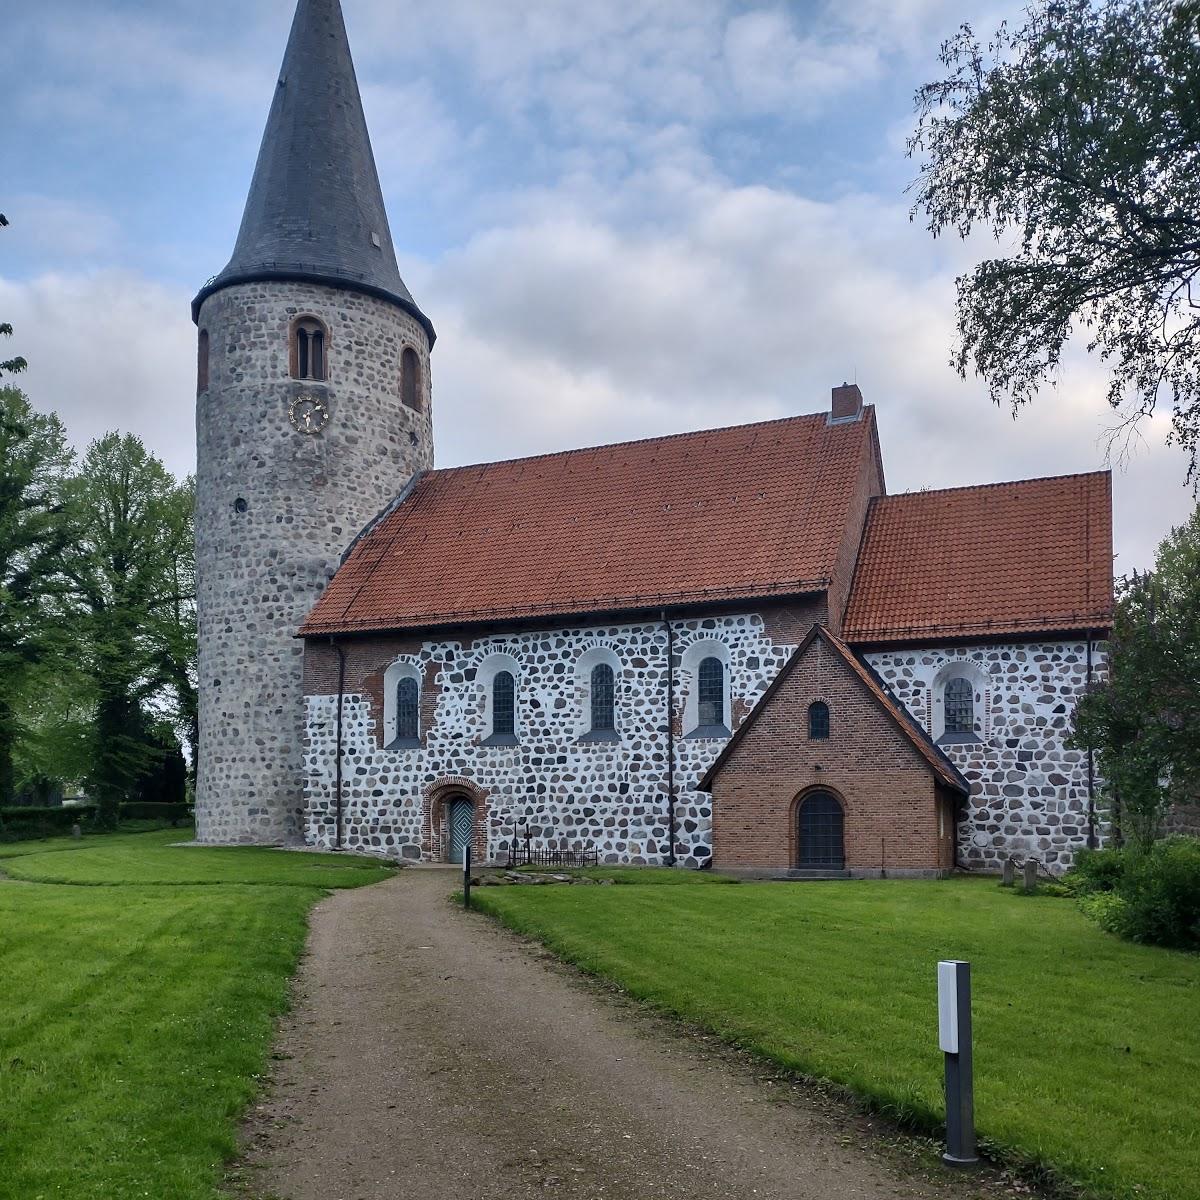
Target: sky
(624, 220)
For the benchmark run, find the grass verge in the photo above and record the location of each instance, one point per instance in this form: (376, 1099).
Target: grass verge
(1087, 1049)
(135, 1020)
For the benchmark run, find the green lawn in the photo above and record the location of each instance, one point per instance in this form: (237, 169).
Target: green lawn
(1087, 1049)
(135, 1020)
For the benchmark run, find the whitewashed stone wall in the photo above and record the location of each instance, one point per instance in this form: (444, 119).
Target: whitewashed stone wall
(568, 792)
(1029, 791)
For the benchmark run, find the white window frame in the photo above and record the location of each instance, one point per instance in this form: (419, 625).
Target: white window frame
(402, 668)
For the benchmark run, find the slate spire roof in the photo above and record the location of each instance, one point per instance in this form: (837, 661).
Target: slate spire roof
(315, 209)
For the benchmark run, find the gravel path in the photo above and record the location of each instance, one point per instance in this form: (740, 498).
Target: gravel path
(431, 1054)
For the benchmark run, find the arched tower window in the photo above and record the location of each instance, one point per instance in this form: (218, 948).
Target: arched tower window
(410, 378)
(407, 710)
(960, 706)
(504, 705)
(604, 699)
(202, 363)
(818, 720)
(710, 692)
(310, 340)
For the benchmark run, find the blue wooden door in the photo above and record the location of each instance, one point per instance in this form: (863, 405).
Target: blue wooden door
(462, 820)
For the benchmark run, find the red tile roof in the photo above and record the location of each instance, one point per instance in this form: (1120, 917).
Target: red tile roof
(945, 771)
(1034, 556)
(745, 512)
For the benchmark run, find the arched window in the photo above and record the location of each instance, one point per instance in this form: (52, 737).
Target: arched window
(202, 363)
(504, 705)
(818, 720)
(410, 378)
(604, 699)
(960, 707)
(710, 692)
(408, 718)
(308, 349)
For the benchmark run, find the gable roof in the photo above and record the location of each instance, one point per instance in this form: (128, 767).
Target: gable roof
(315, 209)
(1032, 556)
(750, 511)
(944, 770)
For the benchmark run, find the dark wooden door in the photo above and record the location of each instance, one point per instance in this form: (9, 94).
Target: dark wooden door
(821, 835)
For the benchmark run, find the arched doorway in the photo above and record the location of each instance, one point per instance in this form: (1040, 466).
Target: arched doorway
(460, 824)
(820, 833)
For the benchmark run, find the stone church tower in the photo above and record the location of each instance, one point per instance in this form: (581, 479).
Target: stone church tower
(313, 410)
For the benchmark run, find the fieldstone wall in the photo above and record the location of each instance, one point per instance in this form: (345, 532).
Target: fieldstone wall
(566, 791)
(1029, 791)
(275, 510)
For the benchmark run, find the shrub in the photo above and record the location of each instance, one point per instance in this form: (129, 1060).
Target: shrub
(1096, 871)
(1161, 891)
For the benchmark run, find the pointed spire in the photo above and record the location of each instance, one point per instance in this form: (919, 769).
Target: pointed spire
(315, 209)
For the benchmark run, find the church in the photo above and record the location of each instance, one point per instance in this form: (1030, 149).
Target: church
(728, 648)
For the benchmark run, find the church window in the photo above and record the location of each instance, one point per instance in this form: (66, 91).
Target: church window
(603, 699)
(710, 692)
(202, 363)
(504, 705)
(308, 349)
(960, 707)
(818, 720)
(410, 379)
(407, 709)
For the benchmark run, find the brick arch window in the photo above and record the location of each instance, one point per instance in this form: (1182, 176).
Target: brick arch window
(202, 363)
(604, 699)
(410, 378)
(309, 350)
(818, 720)
(710, 692)
(504, 705)
(960, 707)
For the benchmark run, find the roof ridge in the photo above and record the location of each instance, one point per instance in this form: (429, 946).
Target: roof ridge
(1000, 483)
(644, 441)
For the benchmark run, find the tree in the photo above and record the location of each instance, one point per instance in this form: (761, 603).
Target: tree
(34, 460)
(9, 366)
(121, 574)
(1077, 137)
(1144, 721)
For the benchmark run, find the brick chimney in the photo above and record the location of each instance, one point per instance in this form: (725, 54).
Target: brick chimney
(847, 403)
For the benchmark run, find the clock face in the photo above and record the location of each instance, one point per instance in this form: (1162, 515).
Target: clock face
(308, 414)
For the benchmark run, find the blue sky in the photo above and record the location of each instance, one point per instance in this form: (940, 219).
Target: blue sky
(624, 220)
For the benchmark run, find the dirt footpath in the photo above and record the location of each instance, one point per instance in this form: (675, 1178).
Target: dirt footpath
(433, 1055)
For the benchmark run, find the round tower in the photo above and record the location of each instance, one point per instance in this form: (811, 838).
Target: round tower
(313, 411)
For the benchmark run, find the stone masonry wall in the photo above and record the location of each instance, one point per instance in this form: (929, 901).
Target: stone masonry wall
(275, 509)
(1029, 791)
(567, 792)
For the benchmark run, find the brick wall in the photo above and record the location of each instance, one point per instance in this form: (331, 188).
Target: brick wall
(896, 818)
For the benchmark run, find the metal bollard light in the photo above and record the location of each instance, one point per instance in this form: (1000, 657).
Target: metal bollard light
(467, 875)
(954, 1037)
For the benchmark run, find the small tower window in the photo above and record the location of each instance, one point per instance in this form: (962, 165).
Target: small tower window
(504, 705)
(960, 707)
(202, 363)
(410, 379)
(710, 692)
(604, 716)
(407, 710)
(309, 340)
(818, 720)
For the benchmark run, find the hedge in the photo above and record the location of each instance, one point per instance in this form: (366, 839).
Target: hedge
(18, 824)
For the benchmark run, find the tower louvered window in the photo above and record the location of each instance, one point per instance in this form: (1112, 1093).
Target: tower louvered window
(604, 717)
(410, 379)
(504, 705)
(960, 706)
(308, 349)
(407, 710)
(710, 692)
